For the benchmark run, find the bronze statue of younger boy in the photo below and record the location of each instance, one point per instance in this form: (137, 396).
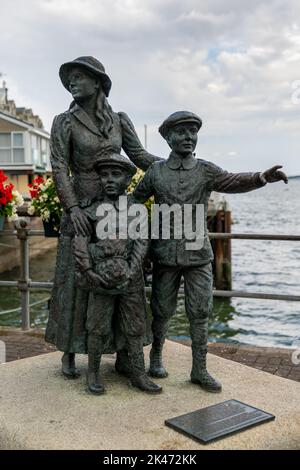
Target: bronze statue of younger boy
(182, 179)
(111, 269)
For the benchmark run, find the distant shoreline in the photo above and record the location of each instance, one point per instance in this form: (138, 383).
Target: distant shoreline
(294, 177)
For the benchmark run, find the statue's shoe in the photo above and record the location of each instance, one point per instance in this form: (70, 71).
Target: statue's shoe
(145, 384)
(70, 373)
(68, 367)
(157, 369)
(158, 372)
(207, 382)
(94, 384)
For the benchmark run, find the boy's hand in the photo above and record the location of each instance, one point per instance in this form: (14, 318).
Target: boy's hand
(123, 286)
(95, 280)
(273, 175)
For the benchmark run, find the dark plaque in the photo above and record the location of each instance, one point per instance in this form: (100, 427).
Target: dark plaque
(219, 420)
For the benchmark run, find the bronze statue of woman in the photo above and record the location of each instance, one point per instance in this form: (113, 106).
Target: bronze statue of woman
(88, 131)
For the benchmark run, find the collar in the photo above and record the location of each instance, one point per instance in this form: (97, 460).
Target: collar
(116, 204)
(175, 162)
(84, 118)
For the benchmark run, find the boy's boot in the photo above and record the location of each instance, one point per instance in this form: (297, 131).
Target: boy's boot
(199, 374)
(138, 376)
(68, 366)
(122, 364)
(95, 348)
(159, 328)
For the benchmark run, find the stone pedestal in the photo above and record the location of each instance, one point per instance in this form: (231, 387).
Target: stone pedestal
(39, 409)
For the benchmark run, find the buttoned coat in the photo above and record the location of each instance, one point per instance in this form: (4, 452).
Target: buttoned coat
(183, 181)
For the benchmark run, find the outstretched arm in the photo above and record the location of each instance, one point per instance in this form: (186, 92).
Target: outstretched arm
(225, 182)
(132, 145)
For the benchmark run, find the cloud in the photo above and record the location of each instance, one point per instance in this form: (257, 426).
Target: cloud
(232, 62)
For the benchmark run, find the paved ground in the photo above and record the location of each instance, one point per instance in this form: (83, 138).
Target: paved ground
(19, 345)
(276, 361)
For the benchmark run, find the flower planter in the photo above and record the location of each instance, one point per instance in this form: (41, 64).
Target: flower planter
(2, 221)
(49, 227)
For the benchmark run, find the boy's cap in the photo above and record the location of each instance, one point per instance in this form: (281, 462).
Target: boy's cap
(178, 118)
(116, 159)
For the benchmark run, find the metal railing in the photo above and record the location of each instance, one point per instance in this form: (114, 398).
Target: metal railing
(24, 284)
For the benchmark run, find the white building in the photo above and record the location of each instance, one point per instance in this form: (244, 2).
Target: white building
(24, 144)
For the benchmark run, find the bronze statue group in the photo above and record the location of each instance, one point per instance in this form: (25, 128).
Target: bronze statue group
(98, 302)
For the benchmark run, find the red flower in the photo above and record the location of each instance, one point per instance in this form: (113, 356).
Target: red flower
(33, 193)
(3, 201)
(38, 180)
(8, 192)
(5, 190)
(34, 188)
(3, 177)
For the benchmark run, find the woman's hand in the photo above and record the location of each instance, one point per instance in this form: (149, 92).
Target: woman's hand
(80, 222)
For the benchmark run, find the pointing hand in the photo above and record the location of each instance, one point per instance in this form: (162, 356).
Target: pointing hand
(273, 175)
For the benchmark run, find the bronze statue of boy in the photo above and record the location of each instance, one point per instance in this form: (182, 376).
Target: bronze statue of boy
(111, 268)
(182, 179)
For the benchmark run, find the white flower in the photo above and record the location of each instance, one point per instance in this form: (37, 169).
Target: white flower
(46, 215)
(13, 217)
(56, 199)
(18, 198)
(31, 209)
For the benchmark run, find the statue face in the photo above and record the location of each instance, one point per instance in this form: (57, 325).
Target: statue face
(82, 85)
(114, 181)
(182, 138)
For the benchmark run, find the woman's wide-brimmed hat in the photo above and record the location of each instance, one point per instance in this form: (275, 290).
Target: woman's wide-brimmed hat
(92, 65)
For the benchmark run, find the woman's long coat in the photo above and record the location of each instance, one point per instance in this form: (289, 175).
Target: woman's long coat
(76, 144)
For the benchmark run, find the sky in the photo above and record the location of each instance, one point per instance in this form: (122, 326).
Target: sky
(234, 63)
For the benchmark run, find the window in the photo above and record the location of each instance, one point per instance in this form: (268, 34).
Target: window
(44, 151)
(36, 150)
(18, 155)
(5, 148)
(18, 139)
(12, 147)
(5, 140)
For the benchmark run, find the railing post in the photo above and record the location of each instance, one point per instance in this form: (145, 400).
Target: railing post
(223, 280)
(227, 248)
(23, 282)
(219, 252)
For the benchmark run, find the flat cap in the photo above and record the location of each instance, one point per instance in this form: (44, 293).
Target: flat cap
(178, 118)
(115, 159)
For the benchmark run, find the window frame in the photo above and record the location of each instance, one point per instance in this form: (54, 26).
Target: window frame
(13, 147)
